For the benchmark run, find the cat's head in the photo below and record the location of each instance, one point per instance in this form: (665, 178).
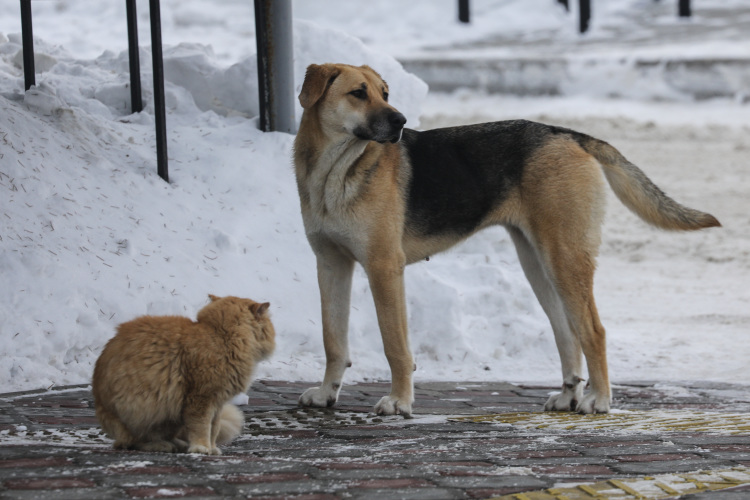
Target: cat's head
(241, 316)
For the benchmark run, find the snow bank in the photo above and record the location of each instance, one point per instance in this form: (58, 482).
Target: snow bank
(91, 237)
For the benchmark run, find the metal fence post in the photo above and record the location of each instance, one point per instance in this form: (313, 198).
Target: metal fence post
(273, 34)
(159, 107)
(463, 11)
(27, 42)
(136, 101)
(584, 11)
(683, 8)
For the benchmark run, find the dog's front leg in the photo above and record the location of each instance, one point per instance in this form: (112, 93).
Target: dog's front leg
(335, 280)
(386, 276)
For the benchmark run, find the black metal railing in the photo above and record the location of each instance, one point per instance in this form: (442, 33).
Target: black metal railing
(584, 11)
(136, 104)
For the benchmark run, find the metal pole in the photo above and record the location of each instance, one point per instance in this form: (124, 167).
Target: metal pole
(684, 8)
(136, 102)
(273, 34)
(463, 11)
(27, 42)
(159, 111)
(584, 11)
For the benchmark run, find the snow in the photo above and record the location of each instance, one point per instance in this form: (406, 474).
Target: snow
(90, 236)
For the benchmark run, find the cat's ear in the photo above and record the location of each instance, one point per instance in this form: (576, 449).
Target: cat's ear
(213, 298)
(259, 310)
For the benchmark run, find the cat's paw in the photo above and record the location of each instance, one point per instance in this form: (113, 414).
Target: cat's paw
(319, 397)
(180, 445)
(389, 405)
(593, 404)
(199, 448)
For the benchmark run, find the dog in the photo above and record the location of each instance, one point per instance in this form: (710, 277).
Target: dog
(376, 193)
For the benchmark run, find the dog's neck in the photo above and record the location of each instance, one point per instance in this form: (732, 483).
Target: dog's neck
(341, 153)
(335, 172)
(328, 165)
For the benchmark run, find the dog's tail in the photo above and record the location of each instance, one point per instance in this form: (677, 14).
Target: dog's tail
(232, 421)
(637, 192)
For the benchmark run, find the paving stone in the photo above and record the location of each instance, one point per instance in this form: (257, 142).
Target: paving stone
(574, 471)
(666, 466)
(288, 488)
(645, 449)
(66, 494)
(170, 491)
(34, 462)
(47, 483)
(739, 493)
(314, 496)
(658, 457)
(404, 494)
(502, 481)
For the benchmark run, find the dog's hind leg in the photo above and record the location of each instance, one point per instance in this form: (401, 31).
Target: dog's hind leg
(567, 344)
(335, 280)
(568, 261)
(563, 197)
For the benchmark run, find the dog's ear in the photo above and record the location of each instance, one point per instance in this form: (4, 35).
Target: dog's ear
(213, 298)
(317, 80)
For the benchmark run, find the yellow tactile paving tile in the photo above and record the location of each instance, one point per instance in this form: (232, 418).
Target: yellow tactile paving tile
(647, 488)
(625, 421)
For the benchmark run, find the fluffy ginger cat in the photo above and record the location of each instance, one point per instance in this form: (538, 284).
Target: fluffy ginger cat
(163, 383)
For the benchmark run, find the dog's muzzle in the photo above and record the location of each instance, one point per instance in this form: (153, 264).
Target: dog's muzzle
(383, 127)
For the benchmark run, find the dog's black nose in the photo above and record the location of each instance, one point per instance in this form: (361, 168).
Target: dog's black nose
(397, 120)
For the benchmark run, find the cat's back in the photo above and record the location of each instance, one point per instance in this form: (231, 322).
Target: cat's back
(142, 347)
(147, 333)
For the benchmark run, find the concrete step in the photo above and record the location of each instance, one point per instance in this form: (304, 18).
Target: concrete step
(638, 77)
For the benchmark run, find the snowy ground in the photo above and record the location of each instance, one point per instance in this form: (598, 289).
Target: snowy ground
(91, 237)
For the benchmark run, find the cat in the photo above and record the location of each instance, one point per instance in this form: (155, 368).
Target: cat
(163, 383)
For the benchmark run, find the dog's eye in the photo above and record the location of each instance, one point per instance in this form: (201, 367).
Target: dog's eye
(385, 96)
(359, 93)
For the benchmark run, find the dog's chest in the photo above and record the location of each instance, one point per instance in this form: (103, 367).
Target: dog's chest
(334, 185)
(334, 189)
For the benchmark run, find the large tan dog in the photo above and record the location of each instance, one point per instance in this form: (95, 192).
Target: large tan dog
(375, 193)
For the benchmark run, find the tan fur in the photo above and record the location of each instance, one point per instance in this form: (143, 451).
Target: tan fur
(353, 194)
(163, 383)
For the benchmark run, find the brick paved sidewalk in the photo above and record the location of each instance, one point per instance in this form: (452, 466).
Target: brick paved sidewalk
(50, 440)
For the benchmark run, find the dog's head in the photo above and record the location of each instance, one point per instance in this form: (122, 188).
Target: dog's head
(351, 100)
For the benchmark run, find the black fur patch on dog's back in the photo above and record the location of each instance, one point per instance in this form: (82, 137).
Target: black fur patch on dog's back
(459, 174)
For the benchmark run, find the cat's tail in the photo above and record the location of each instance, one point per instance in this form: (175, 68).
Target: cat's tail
(232, 422)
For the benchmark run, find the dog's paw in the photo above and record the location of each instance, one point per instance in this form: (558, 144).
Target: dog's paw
(592, 404)
(319, 397)
(388, 405)
(567, 400)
